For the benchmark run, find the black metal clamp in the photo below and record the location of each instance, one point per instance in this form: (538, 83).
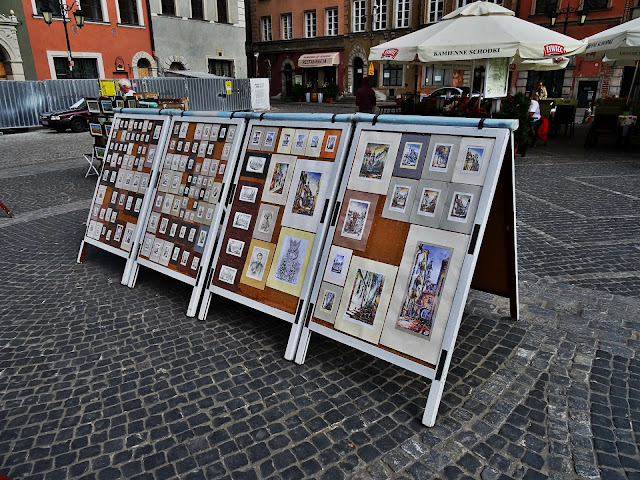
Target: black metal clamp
(481, 123)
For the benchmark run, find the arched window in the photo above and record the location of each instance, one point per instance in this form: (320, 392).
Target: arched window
(144, 68)
(176, 66)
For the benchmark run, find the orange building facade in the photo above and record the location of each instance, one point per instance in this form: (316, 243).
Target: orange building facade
(584, 79)
(114, 43)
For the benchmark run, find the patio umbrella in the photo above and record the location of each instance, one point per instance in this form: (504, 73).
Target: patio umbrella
(479, 30)
(620, 44)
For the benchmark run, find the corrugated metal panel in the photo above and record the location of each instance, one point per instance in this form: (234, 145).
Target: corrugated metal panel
(21, 103)
(64, 93)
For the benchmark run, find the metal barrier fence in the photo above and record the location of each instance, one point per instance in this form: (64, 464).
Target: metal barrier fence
(21, 103)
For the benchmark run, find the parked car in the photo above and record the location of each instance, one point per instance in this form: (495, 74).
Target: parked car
(76, 117)
(452, 92)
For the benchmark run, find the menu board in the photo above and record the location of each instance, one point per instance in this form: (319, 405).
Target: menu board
(285, 185)
(124, 182)
(196, 170)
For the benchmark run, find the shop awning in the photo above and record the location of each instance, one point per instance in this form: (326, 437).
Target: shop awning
(314, 60)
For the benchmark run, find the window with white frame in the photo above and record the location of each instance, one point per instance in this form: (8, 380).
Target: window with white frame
(462, 3)
(435, 10)
(266, 29)
(92, 10)
(392, 75)
(128, 12)
(403, 7)
(359, 15)
(434, 76)
(168, 7)
(287, 29)
(55, 7)
(197, 9)
(310, 24)
(380, 11)
(332, 21)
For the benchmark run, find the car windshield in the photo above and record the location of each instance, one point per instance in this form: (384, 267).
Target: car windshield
(79, 104)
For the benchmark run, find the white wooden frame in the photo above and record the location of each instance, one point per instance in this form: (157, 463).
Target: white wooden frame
(142, 215)
(312, 266)
(197, 283)
(438, 374)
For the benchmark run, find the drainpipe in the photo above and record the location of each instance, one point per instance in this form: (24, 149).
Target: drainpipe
(153, 43)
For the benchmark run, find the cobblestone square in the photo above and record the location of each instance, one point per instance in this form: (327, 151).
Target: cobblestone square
(98, 381)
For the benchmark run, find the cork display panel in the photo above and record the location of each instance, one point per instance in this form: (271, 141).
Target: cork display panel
(196, 169)
(402, 225)
(286, 179)
(124, 181)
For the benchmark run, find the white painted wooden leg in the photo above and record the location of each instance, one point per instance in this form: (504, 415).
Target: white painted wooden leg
(303, 345)
(204, 306)
(83, 246)
(433, 403)
(294, 338)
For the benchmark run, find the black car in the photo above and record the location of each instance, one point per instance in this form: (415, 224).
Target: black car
(76, 117)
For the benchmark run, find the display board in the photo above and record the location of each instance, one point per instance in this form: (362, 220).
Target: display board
(196, 170)
(405, 232)
(121, 196)
(286, 183)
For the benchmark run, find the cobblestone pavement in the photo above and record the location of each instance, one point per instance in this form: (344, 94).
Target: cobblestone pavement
(99, 381)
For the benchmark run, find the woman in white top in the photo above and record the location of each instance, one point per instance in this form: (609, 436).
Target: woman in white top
(535, 119)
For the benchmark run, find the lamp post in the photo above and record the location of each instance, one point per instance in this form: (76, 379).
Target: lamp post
(47, 14)
(567, 11)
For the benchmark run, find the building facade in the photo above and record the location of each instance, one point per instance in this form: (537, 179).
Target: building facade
(11, 66)
(115, 41)
(300, 43)
(584, 79)
(200, 35)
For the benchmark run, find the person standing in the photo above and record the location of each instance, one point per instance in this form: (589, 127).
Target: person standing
(365, 97)
(535, 119)
(539, 93)
(125, 87)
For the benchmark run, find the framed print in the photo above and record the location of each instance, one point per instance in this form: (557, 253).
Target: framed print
(473, 160)
(107, 129)
(227, 274)
(278, 179)
(206, 131)
(106, 106)
(307, 194)
(95, 129)
(184, 128)
(460, 208)
(354, 223)
(241, 220)
(300, 138)
(259, 258)
(290, 262)
(269, 139)
(314, 144)
(197, 134)
(328, 302)
(255, 138)
(256, 165)
(337, 265)
(286, 140)
(399, 201)
(222, 133)
(266, 222)
(418, 313)
(248, 194)
(93, 106)
(374, 161)
(235, 247)
(231, 133)
(215, 129)
(441, 157)
(99, 152)
(119, 102)
(365, 298)
(330, 146)
(411, 155)
(132, 103)
(226, 150)
(429, 203)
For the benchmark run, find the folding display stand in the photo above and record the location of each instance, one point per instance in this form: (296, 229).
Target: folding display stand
(415, 200)
(122, 195)
(285, 186)
(198, 161)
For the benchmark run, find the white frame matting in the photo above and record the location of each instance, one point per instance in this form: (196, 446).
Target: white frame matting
(197, 283)
(312, 265)
(438, 372)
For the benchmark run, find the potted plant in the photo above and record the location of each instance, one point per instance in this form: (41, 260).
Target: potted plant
(297, 92)
(517, 107)
(331, 91)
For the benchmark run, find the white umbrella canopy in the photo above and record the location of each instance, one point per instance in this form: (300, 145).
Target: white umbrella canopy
(620, 44)
(479, 30)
